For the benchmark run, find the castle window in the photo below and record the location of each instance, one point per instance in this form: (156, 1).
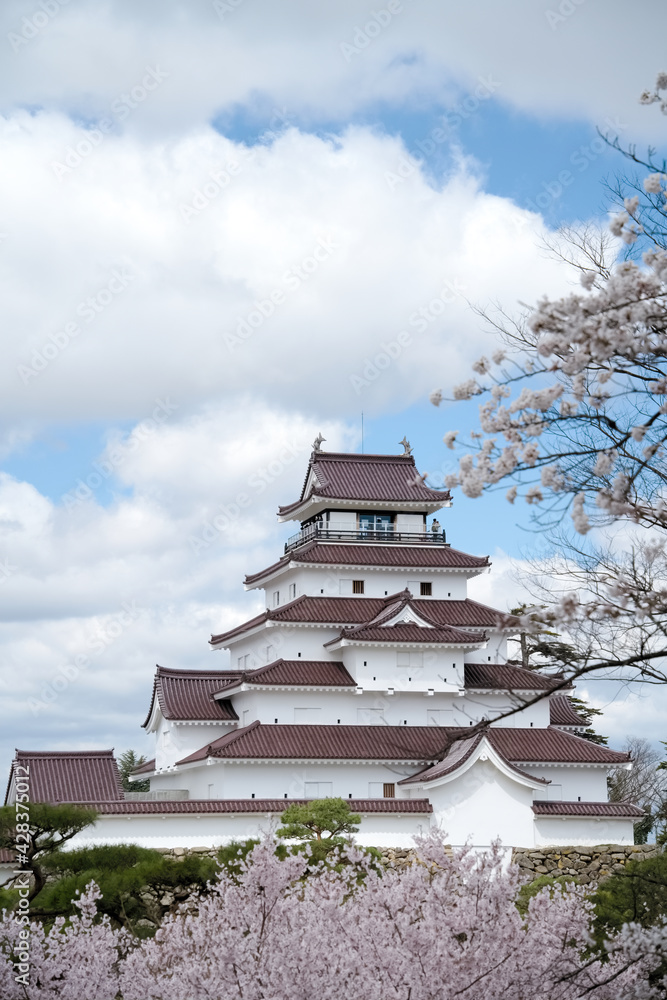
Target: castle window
(318, 789)
(409, 659)
(389, 790)
(425, 589)
(292, 591)
(276, 598)
(357, 586)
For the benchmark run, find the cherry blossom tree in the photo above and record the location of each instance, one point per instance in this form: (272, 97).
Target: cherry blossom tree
(444, 929)
(573, 420)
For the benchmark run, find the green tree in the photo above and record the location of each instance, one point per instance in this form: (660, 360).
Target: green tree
(127, 763)
(322, 824)
(138, 885)
(317, 818)
(639, 895)
(588, 713)
(547, 644)
(36, 831)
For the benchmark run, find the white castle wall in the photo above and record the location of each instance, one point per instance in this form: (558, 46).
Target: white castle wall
(478, 706)
(482, 805)
(265, 780)
(377, 583)
(280, 641)
(375, 830)
(582, 831)
(585, 782)
(174, 740)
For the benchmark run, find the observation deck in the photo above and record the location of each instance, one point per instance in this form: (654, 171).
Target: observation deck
(385, 536)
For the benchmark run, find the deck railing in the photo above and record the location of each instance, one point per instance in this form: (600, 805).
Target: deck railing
(383, 536)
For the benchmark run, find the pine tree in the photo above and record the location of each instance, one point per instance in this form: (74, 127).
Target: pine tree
(127, 763)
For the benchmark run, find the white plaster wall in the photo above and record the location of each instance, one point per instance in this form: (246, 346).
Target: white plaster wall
(574, 832)
(482, 805)
(478, 706)
(286, 642)
(345, 708)
(377, 666)
(230, 780)
(589, 783)
(174, 741)
(495, 650)
(211, 831)
(377, 583)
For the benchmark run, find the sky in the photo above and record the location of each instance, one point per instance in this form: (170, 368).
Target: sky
(228, 226)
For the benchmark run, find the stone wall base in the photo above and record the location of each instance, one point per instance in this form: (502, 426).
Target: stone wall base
(583, 864)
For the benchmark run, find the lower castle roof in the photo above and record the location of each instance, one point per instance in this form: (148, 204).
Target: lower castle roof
(202, 806)
(67, 776)
(351, 611)
(421, 744)
(609, 809)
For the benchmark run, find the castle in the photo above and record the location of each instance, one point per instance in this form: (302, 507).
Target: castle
(366, 677)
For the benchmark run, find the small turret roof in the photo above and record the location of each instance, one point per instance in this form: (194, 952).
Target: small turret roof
(364, 479)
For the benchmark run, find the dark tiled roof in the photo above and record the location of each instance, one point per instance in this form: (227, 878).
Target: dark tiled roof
(188, 695)
(310, 673)
(257, 741)
(396, 556)
(350, 611)
(146, 768)
(506, 677)
(610, 809)
(365, 478)
(457, 755)
(406, 632)
(551, 745)
(7, 856)
(69, 776)
(190, 806)
(562, 713)
(423, 744)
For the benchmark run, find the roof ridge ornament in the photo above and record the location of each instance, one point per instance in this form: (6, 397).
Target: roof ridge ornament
(317, 443)
(407, 450)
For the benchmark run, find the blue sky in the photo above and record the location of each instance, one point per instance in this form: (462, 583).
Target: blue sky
(214, 159)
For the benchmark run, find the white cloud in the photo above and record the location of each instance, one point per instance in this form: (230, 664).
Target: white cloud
(326, 61)
(291, 282)
(148, 578)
